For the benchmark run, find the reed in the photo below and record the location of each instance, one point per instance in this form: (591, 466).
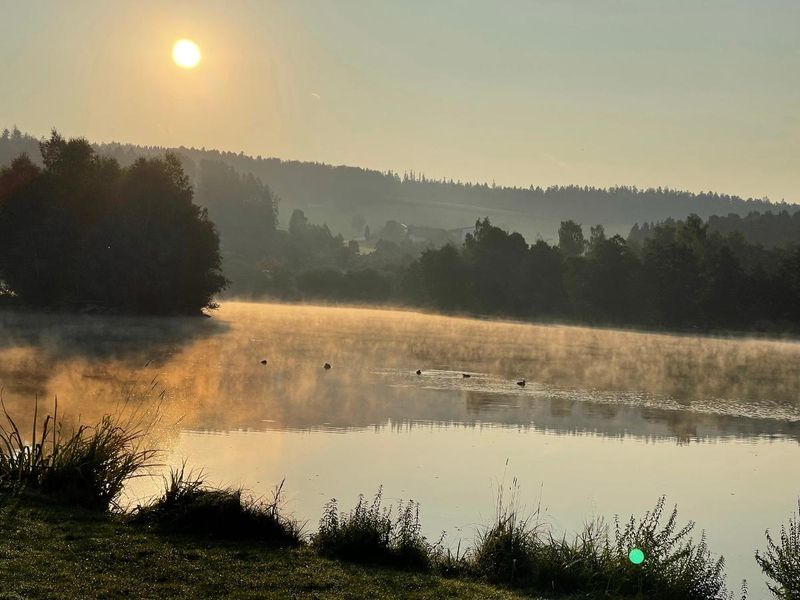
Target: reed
(504, 551)
(86, 466)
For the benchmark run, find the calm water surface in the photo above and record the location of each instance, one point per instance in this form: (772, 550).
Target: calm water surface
(607, 422)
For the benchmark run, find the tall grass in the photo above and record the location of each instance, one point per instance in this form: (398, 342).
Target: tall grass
(188, 505)
(369, 534)
(516, 550)
(87, 466)
(504, 552)
(781, 561)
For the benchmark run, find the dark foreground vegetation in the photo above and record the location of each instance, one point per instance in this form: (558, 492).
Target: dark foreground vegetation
(81, 232)
(199, 541)
(189, 506)
(69, 553)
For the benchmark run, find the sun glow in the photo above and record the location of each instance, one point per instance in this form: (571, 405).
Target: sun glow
(186, 54)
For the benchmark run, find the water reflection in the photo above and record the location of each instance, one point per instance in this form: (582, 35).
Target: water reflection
(580, 380)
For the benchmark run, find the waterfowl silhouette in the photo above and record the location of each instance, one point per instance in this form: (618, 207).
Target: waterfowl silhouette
(419, 372)
(466, 375)
(326, 366)
(521, 383)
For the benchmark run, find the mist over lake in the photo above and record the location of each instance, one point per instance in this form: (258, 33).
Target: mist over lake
(607, 422)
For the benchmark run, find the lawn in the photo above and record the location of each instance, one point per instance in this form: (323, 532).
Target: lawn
(48, 551)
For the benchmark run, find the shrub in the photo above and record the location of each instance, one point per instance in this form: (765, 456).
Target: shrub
(188, 505)
(781, 561)
(675, 566)
(368, 534)
(514, 551)
(87, 466)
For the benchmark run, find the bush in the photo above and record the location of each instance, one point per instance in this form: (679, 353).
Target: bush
(189, 506)
(368, 534)
(781, 561)
(88, 466)
(514, 552)
(674, 567)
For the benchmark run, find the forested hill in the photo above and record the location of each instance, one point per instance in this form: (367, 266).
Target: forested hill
(348, 198)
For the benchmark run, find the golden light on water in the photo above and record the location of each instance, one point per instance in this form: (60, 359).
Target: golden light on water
(186, 54)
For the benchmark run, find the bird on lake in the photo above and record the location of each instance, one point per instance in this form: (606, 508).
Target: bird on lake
(263, 361)
(466, 375)
(326, 366)
(419, 372)
(521, 383)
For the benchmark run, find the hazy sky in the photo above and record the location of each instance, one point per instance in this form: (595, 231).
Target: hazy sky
(691, 94)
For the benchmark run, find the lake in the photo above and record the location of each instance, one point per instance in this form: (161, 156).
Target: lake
(607, 422)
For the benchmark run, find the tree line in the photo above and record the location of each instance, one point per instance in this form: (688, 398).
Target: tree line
(681, 277)
(81, 232)
(348, 198)
(769, 229)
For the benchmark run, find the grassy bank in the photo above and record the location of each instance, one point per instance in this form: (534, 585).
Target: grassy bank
(63, 535)
(52, 551)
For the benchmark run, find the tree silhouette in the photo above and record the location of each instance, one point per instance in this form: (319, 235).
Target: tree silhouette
(82, 232)
(570, 239)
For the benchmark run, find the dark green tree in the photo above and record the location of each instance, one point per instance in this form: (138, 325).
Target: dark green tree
(570, 239)
(83, 232)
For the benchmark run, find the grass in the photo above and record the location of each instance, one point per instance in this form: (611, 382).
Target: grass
(369, 534)
(515, 551)
(52, 551)
(781, 561)
(504, 552)
(87, 466)
(188, 505)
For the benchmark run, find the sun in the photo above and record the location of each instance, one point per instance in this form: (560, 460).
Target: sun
(186, 54)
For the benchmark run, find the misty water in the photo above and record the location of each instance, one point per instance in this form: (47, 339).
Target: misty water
(607, 422)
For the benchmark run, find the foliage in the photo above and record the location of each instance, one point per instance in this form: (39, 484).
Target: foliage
(515, 551)
(570, 239)
(675, 566)
(682, 277)
(769, 229)
(369, 534)
(82, 232)
(88, 466)
(781, 560)
(188, 505)
(244, 210)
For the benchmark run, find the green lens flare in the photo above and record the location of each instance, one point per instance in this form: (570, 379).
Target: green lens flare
(636, 556)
